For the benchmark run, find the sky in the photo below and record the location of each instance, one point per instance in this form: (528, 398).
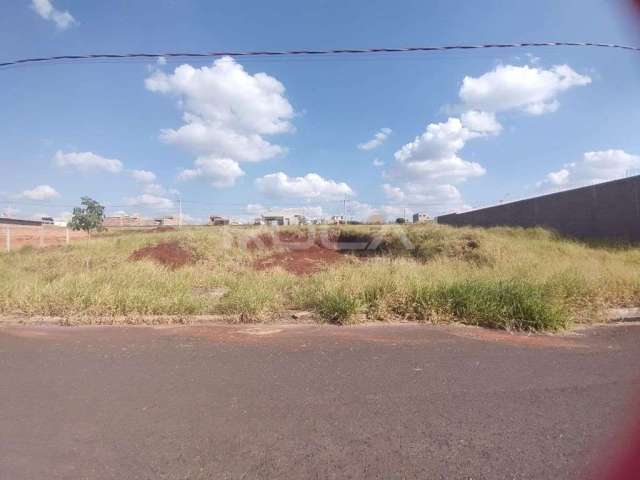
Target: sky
(373, 135)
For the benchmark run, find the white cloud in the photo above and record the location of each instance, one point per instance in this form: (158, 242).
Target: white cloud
(9, 212)
(221, 172)
(154, 189)
(311, 185)
(531, 89)
(595, 167)
(255, 208)
(432, 156)
(436, 199)
(309, 211)
(482, 122)
(377, 162)
(143, 176)
(227, 111)
(41, 192)
(378, 139)
(63, 216)
(152, 201)
(367, 212)
(86, 161)
(44, 8)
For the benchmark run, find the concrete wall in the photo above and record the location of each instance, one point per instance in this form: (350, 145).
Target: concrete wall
(608, 210)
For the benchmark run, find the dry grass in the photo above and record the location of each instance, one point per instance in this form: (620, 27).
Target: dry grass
(503, 277)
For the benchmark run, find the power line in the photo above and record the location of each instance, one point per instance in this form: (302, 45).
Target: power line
(299, 53)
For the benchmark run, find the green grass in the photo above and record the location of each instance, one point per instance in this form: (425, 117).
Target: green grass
(511, 278)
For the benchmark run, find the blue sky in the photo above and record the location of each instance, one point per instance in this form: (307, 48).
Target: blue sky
(455, 130)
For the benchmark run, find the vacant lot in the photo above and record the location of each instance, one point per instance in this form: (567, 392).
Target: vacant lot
(503, 277)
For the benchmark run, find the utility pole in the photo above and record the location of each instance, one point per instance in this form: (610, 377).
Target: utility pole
(344, 215)
(180, 212)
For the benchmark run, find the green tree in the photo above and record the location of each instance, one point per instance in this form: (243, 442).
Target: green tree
(400, 220)
(88, 217)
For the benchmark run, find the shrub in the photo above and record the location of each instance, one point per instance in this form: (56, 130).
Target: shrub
(337, 307)
(507, 304)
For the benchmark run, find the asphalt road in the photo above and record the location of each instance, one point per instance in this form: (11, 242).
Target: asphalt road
(298, 402)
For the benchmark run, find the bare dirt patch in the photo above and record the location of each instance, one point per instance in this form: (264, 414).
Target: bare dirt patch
(301, 262)
(301, 254)
(169, 254)
(163, 229)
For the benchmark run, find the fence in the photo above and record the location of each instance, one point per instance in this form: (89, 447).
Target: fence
(14, 237)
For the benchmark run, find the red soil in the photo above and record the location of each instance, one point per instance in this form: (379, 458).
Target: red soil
(169, 254)
(302, 255)
(301, 262)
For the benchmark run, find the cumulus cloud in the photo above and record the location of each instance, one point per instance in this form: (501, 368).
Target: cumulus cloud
(143, 176)
(87, 161)
(154, 189)
(41, 192)
(375, 213)
(531, 89)
(378, 139)
(311, 186)
(595, 167)
(436, 199)
(152, 201)
(220, 172)
(9, 212)
(481, 122)
(44, 8)
(427, 169)
(227, 113)
(433, 156)
(309, 211)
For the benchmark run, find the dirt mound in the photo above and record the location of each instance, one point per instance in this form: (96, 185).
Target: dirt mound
(301, 262)
(169, 254)
(163, 229)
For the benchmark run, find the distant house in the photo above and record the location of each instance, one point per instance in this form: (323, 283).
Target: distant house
(337, 219)
(127, 221)
(281, 219)
(167, 221)
(420, 218)
(218, 220)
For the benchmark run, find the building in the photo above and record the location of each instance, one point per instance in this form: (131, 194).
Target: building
(167, 221)
(218, 220)
(281, 219)
(337, 219)
(609, 210)
(420, 218)
(127, 221)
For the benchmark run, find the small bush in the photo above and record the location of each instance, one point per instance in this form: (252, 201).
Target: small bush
(510, 305)
(337, 307)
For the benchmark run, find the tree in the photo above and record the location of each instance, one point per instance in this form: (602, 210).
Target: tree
(400, 220)
(87, 217)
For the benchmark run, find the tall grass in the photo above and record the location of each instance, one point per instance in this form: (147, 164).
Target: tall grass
(512, 278)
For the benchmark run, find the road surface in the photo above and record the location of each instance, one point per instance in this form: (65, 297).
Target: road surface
(295, 402)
